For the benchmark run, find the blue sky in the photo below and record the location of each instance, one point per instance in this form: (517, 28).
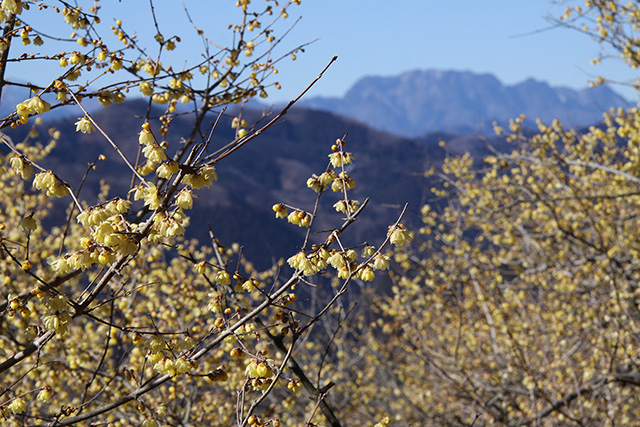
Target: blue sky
(511, 39)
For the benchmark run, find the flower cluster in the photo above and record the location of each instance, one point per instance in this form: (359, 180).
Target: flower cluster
(309, 264)
(165, 225)
(48, 182)
(168, 358)
(173, 367)
(57, 317)
(75, 18)
(148, 193)
(153, 152)
(299, 218)
(203, 178)
(339, 182)
(110, 232)
(260, 373)
(320, 183)
(33, 105)
(98, 214)
(342, 182)
(342, 205)
(344, 261)
(340, 158)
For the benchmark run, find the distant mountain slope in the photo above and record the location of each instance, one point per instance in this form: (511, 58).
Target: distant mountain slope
(271, 169)
(417, 102)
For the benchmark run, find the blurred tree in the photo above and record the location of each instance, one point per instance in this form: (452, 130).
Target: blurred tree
(521, 306)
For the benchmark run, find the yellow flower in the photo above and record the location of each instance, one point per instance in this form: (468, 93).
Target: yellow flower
(368, 251)
(399, 235)
(200, 267)
(340, 159)
(149, 194)
(45, 394)
(203, 178)
(280, 210)
(12, 6)
(154, 153)
(367, 274)
(28, 223)
(84, 125)
(76, 58)
(146, 137)
(47, 181)
(21, 166)
(18, 404)
(381, 262)
(223, 278)
(167, 169)
(145, 88)
(38, 105)
(294, 218)
(315, 184)
(150, 422)
(294, 385)
(337, 260)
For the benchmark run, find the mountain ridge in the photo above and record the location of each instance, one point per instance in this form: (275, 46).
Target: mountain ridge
(418, 102)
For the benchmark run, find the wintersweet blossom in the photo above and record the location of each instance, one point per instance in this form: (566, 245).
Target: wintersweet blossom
(17, 405)
(12, 6)
(93, 216)
(21, 166)
(294, 385)
(184, 199)
(145, 88)
(337, 260)
(367, 274)
(146, 137)
(154, 153)
(84, 125)
(343, 181)
(222, 277)
(45, 394)
(368, 251)
(327, 177)
(340, 159)
(48, 182)
(280, 210)
(200, 267)
(203, 178)
(38, 106)
(149, 194)
(381, 262)
(167, 169)
(314, 184)
(399, 235)
(150, 422)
